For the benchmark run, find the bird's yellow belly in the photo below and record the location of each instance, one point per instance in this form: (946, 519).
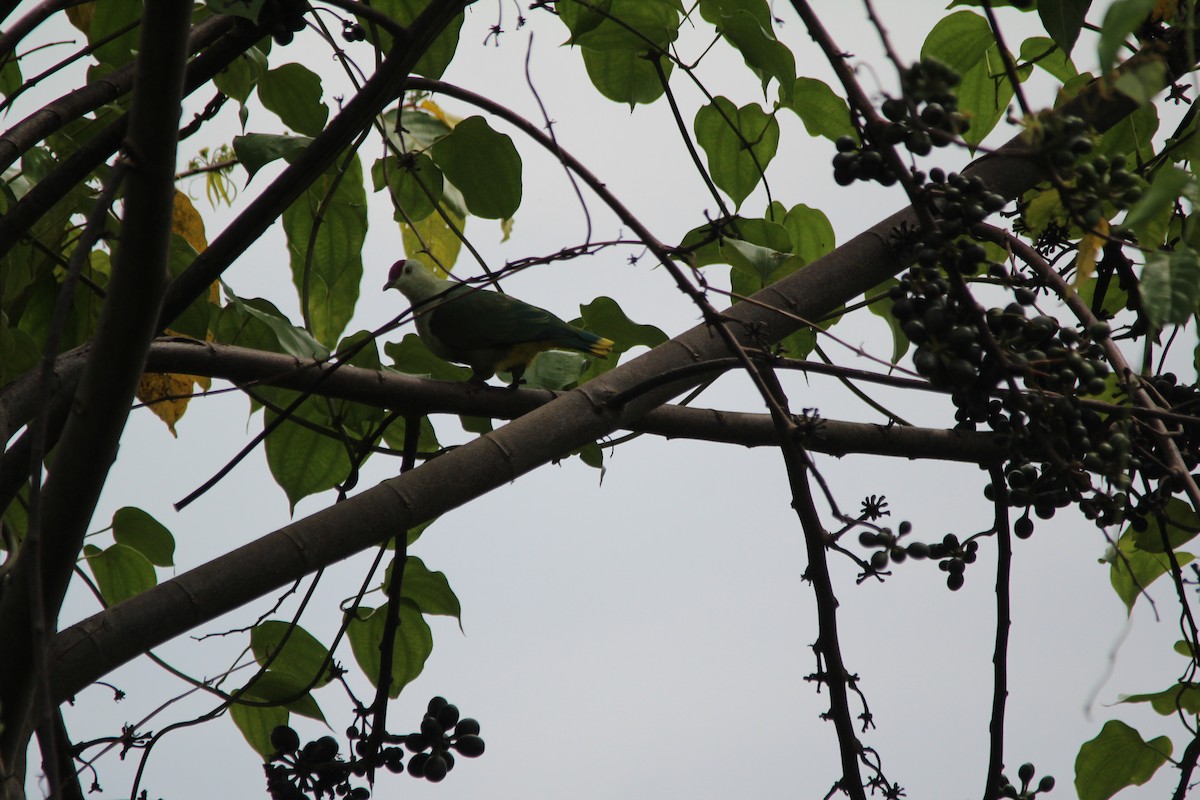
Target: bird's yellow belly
(521, 355)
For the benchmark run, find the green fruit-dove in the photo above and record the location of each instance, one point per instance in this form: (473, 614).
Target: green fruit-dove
(487, 331)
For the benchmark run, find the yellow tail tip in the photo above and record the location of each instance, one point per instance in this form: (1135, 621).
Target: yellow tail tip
(601, 347)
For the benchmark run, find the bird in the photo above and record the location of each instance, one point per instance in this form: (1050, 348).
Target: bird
(488, 331)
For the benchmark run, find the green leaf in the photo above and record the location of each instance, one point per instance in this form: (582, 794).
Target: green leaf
(484, 165)
(37, 163)
(1167, 187)
(256, 150)
(247, 9)
(882, 308)
(822, 112)
(429, 590)
(18, 353)
(626, 77)
(763, 261)
(739, 144)
(1115, 759)
(135, 528)
(410, 355)
(302, 461)
(327, 268)
(427, 441)
(1122, 18)
(748, 31)
(120, 571)
(293, 92)
(810, 230)
(1181, 526)
(414, 183)
(256, 724)
(1180, 697)
(553, 369)
(1063, 20)
(1170, 286)
(260, 317)
(1045, 54)
(110, 17)
(285, 690)
(410, 649)
(606, 317)
(959, 41)
(194, 320)
(1132, 570)
(440, 53)
(1142, 83)
(709, 243)
(1133, 135)
(985, 92)
(295, 651)
(636, 26)
(414, 129)
(10, 77)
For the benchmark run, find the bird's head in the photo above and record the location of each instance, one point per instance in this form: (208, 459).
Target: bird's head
(413, 278)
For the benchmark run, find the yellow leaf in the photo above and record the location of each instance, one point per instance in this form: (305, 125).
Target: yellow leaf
(435, 110)
(187, 222)
(1089, 249)
(81, 16)
(168, 395)
(433, 239)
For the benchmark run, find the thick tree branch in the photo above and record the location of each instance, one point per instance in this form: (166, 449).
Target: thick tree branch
(126, 327)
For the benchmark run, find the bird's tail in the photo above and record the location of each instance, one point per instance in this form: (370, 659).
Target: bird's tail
(595, 345)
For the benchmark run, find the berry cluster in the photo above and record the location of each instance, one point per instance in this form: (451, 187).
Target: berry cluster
(315, 770)
(948, 350)
(353, 31)
(1027, 792)
(431, 746)
(1093, 186)
(951, 554)
(283, 19)
(926, 117)
(961, 202)
(1173, 394)
(859, 163)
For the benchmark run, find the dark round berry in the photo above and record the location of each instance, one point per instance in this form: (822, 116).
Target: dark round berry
(470, 746)
(436, 768)
(447, 716)
(1023, 528)
(284, 739)
(431, 729)
(466, 727)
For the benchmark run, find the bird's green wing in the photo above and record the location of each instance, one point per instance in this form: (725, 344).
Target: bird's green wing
(483, 319)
